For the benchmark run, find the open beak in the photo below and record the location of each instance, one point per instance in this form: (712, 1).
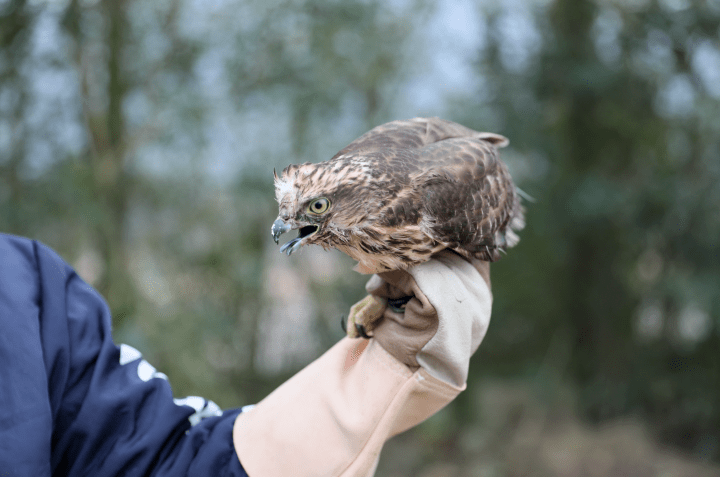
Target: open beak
(279, 227)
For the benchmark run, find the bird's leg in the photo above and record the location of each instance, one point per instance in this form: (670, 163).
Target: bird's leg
(364, 316)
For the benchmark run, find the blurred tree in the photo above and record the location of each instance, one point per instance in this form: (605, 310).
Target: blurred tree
(14, 38)
(173, 237)
(611, 126)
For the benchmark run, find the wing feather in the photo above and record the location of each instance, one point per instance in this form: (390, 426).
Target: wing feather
(415, 133)
(467, 196)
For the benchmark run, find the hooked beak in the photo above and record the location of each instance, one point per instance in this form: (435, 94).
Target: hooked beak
(279, 227)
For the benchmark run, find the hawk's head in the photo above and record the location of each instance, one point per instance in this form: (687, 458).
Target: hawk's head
(324, 202)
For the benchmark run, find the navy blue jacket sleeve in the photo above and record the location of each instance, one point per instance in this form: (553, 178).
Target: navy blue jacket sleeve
(71, 403)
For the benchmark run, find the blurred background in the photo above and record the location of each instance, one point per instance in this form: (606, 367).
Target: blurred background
(138, 139)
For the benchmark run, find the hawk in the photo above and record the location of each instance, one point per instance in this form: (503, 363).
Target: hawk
(402, 192)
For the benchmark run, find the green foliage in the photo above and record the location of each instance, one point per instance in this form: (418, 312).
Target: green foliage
(618, 256)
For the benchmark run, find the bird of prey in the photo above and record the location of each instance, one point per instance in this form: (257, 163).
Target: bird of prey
(402, 192)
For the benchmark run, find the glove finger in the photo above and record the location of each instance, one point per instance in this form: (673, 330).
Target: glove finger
(394, 284)
(398, 284)
(403, 333)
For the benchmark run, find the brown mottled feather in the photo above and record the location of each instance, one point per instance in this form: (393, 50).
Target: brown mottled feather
(406, 190)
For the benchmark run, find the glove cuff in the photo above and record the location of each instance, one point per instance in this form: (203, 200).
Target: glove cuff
(333, 417)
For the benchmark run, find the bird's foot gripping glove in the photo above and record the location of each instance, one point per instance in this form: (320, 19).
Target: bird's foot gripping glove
(333, 417)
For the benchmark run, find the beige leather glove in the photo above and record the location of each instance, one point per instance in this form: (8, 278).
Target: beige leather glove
(412, 333)
(333, 417)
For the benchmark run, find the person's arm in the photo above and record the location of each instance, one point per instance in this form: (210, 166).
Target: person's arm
(74, 403)
(333, 417)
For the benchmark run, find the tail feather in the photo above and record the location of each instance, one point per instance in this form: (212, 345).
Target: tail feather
(517, 222)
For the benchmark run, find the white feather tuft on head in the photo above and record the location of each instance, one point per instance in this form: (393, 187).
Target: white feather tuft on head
(283, 186)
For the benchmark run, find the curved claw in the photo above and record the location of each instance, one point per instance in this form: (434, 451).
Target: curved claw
(362, 332)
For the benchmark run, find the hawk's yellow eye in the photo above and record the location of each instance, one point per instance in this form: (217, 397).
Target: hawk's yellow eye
(319, 206)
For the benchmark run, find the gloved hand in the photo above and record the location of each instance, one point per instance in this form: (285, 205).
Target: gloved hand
(401, 317)
(333, 417)
(410, 321)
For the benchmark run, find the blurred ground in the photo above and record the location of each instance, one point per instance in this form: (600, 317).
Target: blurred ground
(521, 436)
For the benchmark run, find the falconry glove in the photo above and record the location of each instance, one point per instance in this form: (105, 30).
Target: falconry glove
(412, 331)
(333, 417)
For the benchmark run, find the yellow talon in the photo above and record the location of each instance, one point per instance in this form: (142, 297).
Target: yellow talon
(366, 313)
